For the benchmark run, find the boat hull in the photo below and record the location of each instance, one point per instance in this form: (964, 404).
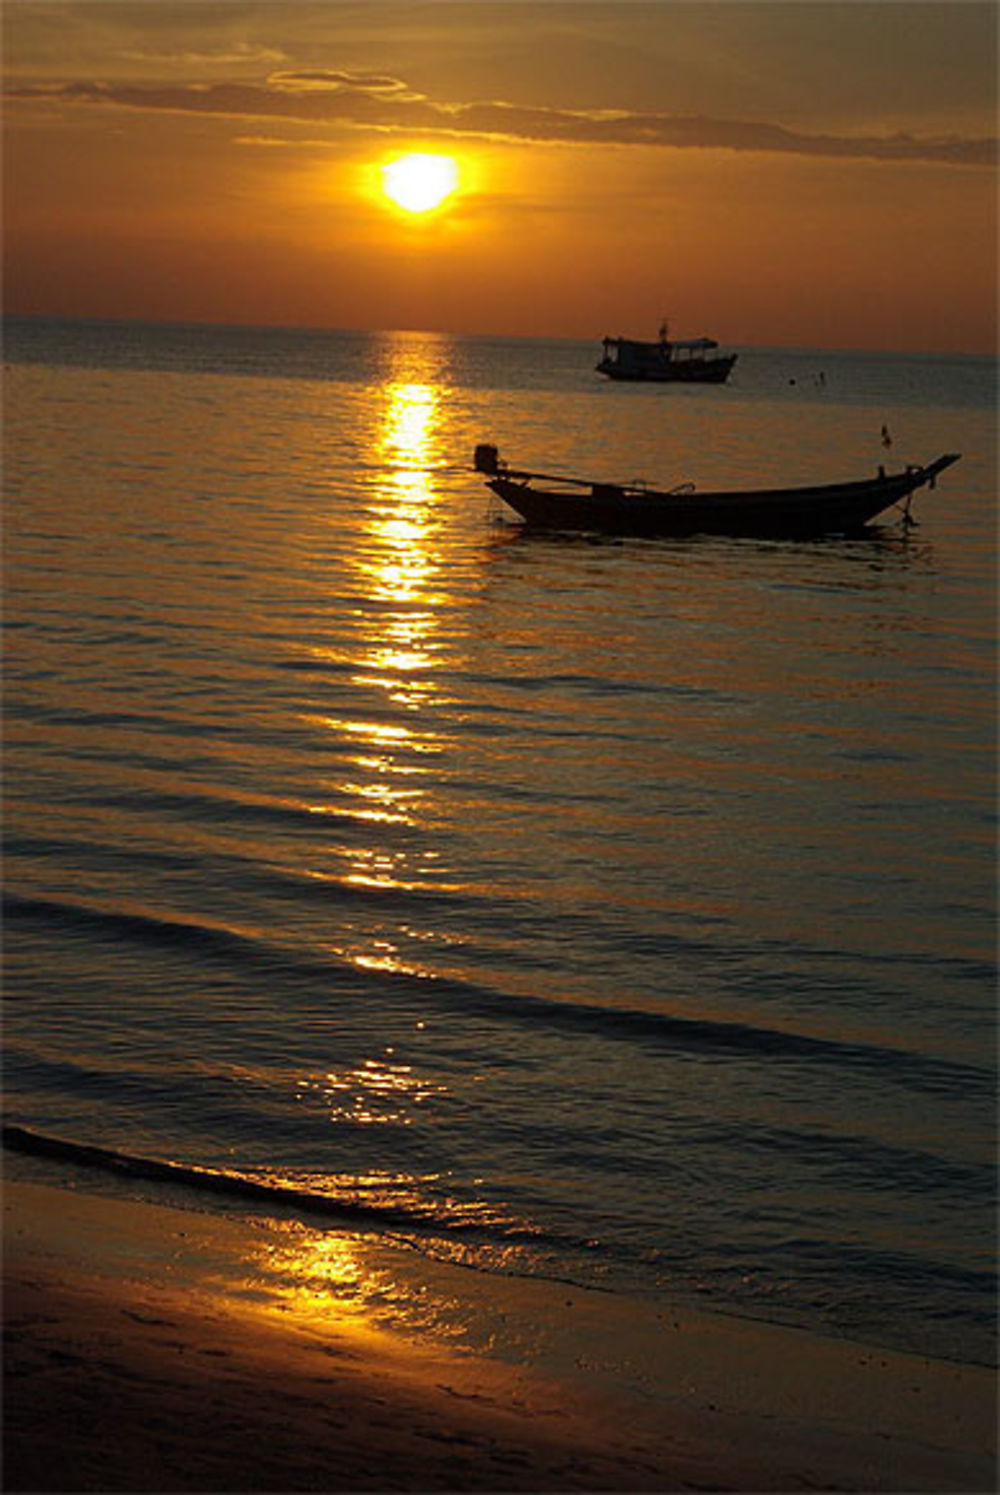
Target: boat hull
(711, 371)
(838, 508)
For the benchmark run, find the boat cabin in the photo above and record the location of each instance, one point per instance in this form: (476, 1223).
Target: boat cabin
(664, 360)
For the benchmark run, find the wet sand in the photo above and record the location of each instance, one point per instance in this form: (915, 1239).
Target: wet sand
(147, 1351)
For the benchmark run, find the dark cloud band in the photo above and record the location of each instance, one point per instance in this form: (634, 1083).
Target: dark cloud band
(332, 97)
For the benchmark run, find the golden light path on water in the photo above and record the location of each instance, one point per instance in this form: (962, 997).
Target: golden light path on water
(391, 656)
(396, 570)
(393, 653)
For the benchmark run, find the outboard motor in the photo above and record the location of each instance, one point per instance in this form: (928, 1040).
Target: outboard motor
(487, 459)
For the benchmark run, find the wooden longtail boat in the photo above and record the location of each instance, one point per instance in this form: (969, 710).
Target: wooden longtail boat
(635, 509)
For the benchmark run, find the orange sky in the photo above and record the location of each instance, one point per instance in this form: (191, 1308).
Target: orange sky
(802, 173)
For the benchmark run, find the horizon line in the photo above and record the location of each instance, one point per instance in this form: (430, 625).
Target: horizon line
(125, 321)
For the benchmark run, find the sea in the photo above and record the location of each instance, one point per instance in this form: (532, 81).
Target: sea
(619, 913)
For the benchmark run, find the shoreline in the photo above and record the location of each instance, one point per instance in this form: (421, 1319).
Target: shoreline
(158, 1347)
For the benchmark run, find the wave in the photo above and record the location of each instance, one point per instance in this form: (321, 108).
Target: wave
(345, 1207)
(921, 1072)
(148, 929)
(484, 1243)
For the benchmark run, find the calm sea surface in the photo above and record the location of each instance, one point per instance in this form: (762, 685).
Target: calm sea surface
(616, 912)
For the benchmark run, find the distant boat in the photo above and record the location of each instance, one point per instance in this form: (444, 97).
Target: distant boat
(665, 362)
(634, 509)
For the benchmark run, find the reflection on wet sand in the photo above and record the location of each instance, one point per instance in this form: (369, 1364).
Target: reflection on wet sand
(324, 1274)
(367, 1283)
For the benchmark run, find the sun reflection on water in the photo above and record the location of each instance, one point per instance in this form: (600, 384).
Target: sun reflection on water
(376, 1092)
(396, 563)
(399, 563)
(387, 733)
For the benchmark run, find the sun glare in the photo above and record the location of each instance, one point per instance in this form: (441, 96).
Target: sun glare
(418, 182)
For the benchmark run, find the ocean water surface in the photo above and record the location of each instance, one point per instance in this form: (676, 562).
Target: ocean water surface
(615, 912)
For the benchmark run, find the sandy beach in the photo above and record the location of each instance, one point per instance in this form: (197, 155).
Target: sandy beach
(146, 1350)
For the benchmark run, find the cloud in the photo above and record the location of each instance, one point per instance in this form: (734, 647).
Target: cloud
(242, 52)
(325, 79)
(384, 103)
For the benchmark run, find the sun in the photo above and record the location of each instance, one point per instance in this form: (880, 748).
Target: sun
(419, 182)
